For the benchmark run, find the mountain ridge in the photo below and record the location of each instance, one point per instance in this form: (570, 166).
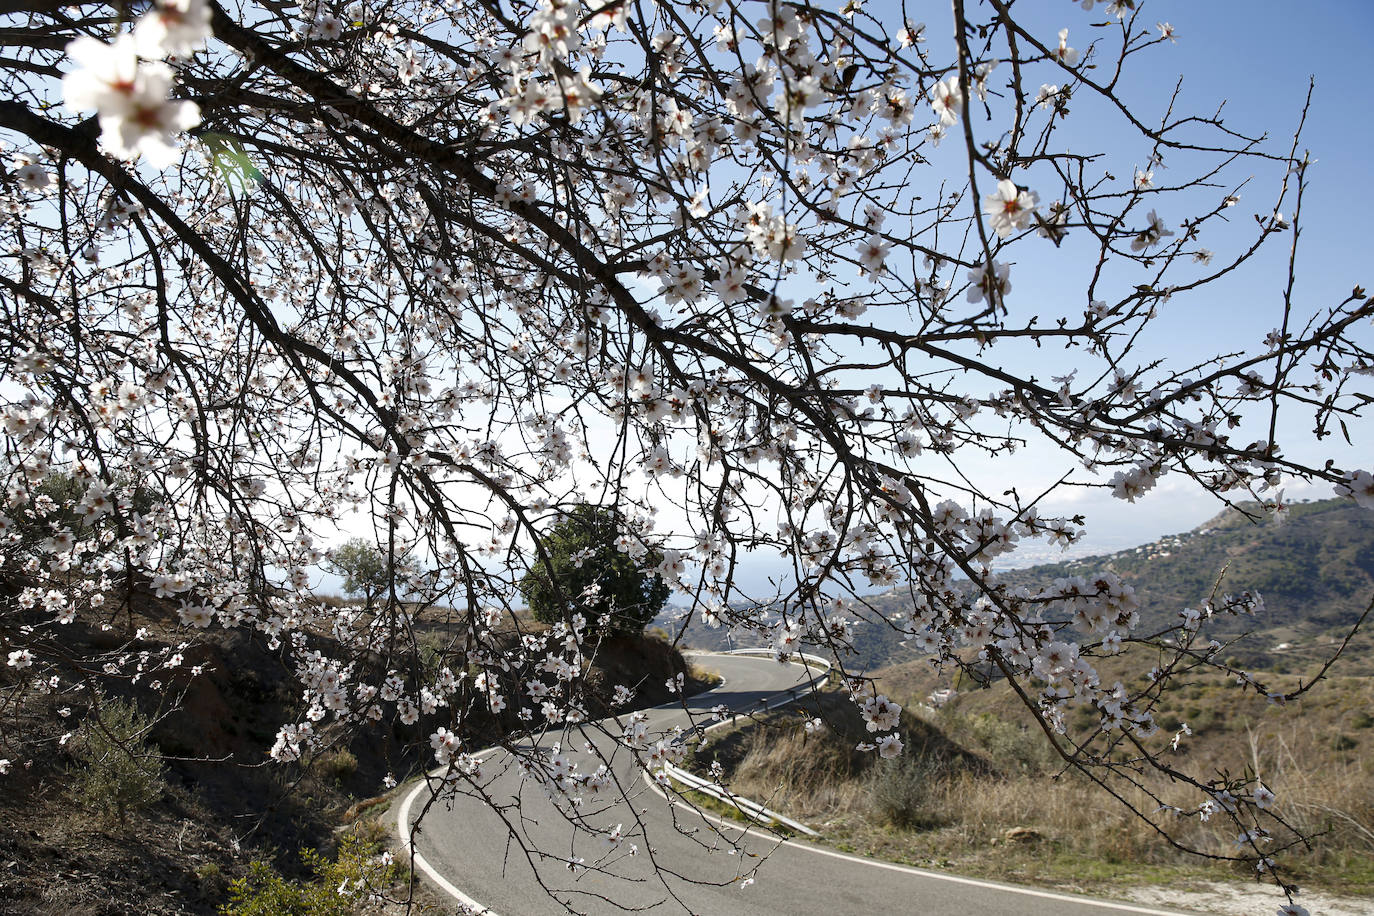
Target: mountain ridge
(1315, 571)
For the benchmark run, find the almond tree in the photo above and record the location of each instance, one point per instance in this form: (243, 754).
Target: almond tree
(749, 272)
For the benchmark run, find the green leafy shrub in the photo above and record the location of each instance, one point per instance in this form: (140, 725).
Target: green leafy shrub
(1009, 746)
(587, 572)
(211, 878)
(116, 768)
(435, 651)
(359, 872)
(52, 507)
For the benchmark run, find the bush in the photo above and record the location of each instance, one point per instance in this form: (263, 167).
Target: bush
(588, 573)
(357, 873)
(116, 767)
(1010, 746)
(52, 507)
(434, 652)
(904, 792)
(337, 765)
(211, 878)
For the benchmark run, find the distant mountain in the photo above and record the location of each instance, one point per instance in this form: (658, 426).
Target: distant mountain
(1315, 571)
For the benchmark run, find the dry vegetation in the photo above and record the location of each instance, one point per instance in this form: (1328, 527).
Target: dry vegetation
(160, 810)
(980, 794)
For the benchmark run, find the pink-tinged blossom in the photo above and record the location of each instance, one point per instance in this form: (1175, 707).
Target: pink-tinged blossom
(130, 98)
(576, 93)
(1064, 54)
(880, 714)
(1009, 208)
(1358, 486)
(1151, 235)
(947, 100)
(672, 567)
(31, 175)
(173, 27)
(872, 254)
(911, 34)
(105, 75)
(1117, 8)
(989, 281)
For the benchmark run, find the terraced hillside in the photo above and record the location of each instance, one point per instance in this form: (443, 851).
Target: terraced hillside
(1315, 571)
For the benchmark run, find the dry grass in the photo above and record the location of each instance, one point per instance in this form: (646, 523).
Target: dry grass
(980, 794)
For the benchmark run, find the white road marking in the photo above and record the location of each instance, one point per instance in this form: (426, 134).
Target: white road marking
(419, 861)
(892, 866)
(974, 882)
(403, 824)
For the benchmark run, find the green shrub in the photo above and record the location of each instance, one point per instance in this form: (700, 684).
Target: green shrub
(587, 572)
(116, 766)
(338, 886)
(52, 507)
(1205, 719)
(211, 878)
(1010, 746)
(435, 650)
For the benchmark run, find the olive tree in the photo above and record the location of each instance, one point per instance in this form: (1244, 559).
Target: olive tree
(363, 566)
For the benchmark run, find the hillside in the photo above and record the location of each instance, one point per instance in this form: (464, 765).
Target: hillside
(978, 791)
(186, 804)
(1315, 571)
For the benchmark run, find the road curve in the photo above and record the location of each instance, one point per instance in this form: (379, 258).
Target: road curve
(684, 861)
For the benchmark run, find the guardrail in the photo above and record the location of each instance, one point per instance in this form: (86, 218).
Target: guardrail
(752, 808)
(719, 792)
(764, 650)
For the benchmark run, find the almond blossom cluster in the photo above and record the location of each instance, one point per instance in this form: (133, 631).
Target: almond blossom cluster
(129, 86)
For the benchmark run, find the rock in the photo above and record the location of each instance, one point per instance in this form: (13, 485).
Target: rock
(1022, 835)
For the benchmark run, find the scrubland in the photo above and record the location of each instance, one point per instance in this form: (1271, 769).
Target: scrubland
(979, 791)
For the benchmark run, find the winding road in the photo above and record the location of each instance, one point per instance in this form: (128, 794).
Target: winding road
(683, 861)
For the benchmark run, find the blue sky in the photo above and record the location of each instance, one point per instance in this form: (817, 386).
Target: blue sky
(1257, 57)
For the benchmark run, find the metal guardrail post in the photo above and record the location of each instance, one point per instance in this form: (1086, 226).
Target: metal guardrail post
(719, 793)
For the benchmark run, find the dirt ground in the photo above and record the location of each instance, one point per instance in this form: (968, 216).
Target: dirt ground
(1239, 900)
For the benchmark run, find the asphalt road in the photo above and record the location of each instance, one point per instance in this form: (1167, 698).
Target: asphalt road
(684, 862)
